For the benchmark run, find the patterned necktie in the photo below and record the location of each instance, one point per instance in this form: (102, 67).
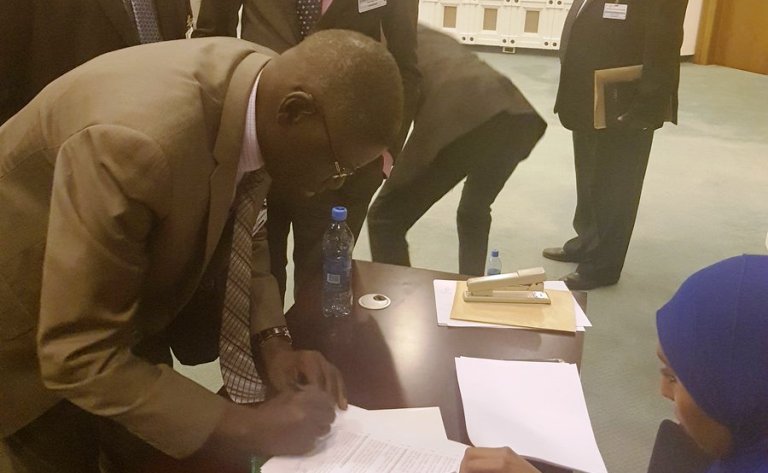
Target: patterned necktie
(309, 12)
(238, 369)
(146, 21)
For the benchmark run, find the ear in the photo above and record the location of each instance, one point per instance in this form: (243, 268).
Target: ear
(296, 106)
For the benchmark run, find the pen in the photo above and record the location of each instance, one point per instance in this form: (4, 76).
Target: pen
(547, 360)
(255, 464)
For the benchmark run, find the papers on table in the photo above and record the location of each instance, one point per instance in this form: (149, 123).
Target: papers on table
(397, 441)
(445, 292)
(535, 408)
(424, 424)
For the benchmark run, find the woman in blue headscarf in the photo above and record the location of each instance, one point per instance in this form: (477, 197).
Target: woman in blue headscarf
(713, 341)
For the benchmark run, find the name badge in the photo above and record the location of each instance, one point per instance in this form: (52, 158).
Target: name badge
(367, 5)
(615, 11)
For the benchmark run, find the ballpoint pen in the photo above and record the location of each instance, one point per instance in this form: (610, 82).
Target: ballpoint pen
(547, 360)
(256, 463)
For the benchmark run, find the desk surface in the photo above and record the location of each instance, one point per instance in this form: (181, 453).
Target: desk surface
(399, 356)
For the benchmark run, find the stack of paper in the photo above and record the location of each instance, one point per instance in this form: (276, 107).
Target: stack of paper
(445, 293)
(535, 408)
(379, 442)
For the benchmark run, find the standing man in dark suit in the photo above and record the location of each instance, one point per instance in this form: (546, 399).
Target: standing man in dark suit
(280, 24)
(41, 40)
(611, 162)
(471, 122)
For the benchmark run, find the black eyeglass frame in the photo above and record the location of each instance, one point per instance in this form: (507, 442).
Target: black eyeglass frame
(340, 173)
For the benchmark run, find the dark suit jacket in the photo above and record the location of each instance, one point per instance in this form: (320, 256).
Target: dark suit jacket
(459, 92)
(274, 24)
(651, 35)
(40, 40)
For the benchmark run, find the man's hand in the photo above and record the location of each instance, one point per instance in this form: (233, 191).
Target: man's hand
(494, 460)
(288, 424)
(289, 369)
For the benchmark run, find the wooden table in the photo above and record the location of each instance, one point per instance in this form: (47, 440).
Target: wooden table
(399, 356)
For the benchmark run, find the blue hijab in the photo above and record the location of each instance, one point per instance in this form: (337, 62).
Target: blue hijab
(714, 332)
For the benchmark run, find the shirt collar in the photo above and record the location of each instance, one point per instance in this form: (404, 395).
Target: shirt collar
(251, 158)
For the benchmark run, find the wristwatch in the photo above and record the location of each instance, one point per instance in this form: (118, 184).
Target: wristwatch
(272, 332)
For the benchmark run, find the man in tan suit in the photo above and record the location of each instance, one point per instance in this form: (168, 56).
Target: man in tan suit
(116, 185)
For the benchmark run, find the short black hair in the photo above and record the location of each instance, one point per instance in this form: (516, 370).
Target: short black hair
(357, 82)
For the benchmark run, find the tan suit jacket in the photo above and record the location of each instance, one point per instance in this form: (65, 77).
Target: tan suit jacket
(115, 184)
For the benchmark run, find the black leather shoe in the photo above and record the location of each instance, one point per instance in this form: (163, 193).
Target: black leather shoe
(578, 282)
(559, 254)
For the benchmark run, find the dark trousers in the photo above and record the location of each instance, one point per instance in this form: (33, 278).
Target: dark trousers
(310, 218)
(67, 439)
(486, 156)
(610, 169)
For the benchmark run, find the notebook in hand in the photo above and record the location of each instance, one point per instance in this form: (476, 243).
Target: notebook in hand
(615, 90)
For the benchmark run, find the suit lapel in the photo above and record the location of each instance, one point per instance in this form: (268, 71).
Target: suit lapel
(565, 37)
(228, 145)
(333, 10)
(170, 17)
(282, 16)
(115, 11)
(337, 8)
(587, 3)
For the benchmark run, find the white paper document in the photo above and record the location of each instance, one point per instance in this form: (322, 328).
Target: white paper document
(445, 291)
(387, 441)
(422, 426)
(535, 408)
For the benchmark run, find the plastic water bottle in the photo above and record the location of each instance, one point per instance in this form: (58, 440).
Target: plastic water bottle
(494, 264)
(338, 243)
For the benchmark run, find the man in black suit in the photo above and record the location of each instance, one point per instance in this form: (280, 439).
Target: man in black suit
(471, 122)
(277, 25)
(41, 40)
(611, 162)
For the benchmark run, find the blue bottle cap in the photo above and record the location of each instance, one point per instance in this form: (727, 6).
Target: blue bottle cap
(339, 214)
(495, 253)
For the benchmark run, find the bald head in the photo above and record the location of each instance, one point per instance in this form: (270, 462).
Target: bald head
(336, 96)
(354, 79)
(359, 77)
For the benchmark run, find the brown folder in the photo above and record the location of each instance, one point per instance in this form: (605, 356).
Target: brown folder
(614, 91)
(559, 315)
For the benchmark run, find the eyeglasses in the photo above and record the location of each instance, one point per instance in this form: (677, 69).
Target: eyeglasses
(339, 172)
